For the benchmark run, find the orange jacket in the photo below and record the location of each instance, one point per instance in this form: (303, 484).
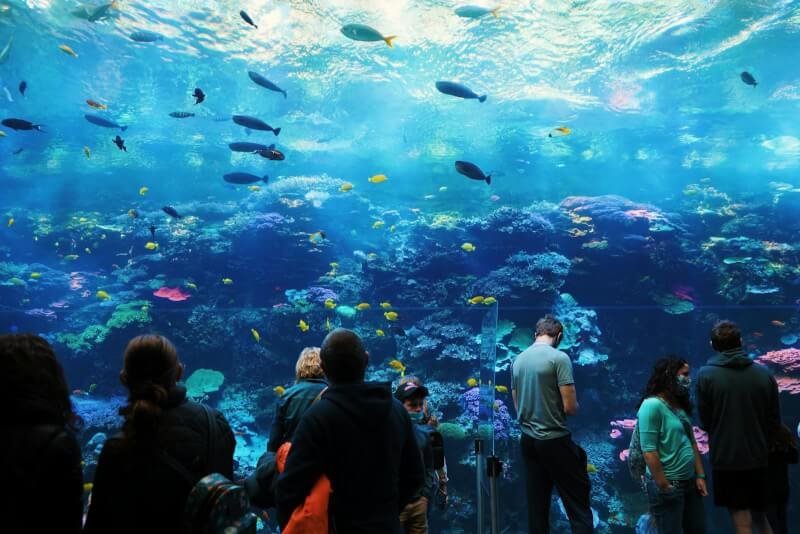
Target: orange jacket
(312, 516)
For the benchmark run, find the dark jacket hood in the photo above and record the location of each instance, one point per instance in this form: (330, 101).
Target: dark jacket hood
(733, 358)
(368, 403)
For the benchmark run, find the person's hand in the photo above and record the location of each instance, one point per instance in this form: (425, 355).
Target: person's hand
(702, 489)
(665, 485)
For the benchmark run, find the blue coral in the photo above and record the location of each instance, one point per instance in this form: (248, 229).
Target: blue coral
(525, 272)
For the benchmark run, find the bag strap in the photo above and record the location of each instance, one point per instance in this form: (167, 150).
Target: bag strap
(212, 432)
(177, 466)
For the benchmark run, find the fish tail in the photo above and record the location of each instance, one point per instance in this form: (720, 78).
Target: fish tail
(284, 94)
(482, 98)
(389, 40)
(123, 128)
(495, 10)
(489, 179)
(38, 127)
(265, 179)
(276, 131)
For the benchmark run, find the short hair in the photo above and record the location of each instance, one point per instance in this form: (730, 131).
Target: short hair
(343, 357)
(308, 364)
(549, 326)
(410, 378)
(725, 335)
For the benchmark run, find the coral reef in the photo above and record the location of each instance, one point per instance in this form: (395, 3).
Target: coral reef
(524, 275)
(202, 382)
(787, 360)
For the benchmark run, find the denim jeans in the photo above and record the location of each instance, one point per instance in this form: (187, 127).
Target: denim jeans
(679, 510)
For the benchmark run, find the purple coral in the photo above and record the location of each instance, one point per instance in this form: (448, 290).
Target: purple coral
(474, 412)
(264, 221)
(320, 294)
(534, 272)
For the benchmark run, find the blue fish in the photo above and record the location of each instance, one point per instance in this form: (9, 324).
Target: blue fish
(242, 146)
(254, 124)
(23, 86)
(475, 12)
(172, 212)
(247, 19)
(21, 124)
(748, 78)
(144, 36)
(265, 83)
(470, 170)
(362, 32)
(459, 90)
(105, 123)
(244, 178)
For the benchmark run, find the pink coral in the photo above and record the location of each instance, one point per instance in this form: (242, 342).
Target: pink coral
(701, 437)
(787, 359)
(625, 424)
(171, 293)
(789, 385)
(615, 433)
(624, 454)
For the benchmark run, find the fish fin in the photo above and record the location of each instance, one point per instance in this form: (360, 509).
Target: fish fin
(389, 40)
(482, 98)
(276, 131)
(265, 179)
(123, 128)
(284, 94)
(489, 179)
(248, 131)
(38, 127)
(495, 10)
(272, 146)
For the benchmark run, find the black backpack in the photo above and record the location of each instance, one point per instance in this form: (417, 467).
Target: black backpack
(215, 505)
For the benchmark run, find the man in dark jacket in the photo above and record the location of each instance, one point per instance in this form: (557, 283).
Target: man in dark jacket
(738, 406)
(361, 438)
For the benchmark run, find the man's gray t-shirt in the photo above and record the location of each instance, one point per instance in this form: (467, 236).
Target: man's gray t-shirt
(536, 375)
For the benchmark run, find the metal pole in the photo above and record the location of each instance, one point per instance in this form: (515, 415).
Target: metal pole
(494, 467)
(479, 481)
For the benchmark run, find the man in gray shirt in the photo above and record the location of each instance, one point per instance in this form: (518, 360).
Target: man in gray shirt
(544, 395)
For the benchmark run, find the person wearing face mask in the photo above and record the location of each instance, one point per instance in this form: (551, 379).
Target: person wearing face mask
(544, 395)
(676, 480)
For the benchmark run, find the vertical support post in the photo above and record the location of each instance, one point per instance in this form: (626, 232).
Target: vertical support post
(479, 483)
(494, 468)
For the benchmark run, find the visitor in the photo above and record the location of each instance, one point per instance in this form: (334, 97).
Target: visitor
(544, 395)
(738, 406)
(41, 459)
(309, 383)
(361, 438)
(676, 481)
(136, 487)
(783, 452)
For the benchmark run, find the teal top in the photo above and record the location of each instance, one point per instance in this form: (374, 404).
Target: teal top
(662, 431)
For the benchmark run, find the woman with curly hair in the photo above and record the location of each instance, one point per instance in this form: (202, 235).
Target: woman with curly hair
(676, 480)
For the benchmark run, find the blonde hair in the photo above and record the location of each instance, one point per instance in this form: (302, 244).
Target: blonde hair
(308, 364)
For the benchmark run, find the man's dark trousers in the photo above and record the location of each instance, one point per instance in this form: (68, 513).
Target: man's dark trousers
(562, 463)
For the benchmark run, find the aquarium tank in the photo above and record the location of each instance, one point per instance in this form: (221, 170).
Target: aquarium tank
(243, 177)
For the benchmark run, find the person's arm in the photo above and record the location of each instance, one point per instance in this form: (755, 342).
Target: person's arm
(514, 390)
(225, 445)
(699, 471)
(569, 398)
(277, 430)
(704, 404)
(304, 466)
(412, 469)
(566, 385)
(774, 411)
(649, 423)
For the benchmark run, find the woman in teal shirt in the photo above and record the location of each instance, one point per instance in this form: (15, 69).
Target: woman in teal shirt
(676, 481)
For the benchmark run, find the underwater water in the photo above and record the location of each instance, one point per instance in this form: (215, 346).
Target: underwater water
(645, 182)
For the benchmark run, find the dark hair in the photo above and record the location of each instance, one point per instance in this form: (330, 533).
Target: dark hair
(32, 384)
(343, 356)
(663, 380)
(726, 336)
(150, 372)
(549, 326)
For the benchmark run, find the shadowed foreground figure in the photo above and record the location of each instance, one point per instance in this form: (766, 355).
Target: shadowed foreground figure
(361, 438)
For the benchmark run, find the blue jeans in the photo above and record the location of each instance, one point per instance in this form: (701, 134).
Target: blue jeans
(679, 510)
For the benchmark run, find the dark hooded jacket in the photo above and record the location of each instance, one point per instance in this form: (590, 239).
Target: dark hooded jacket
(135, 491)
(738, 406)
(290, 408)
(361, 438)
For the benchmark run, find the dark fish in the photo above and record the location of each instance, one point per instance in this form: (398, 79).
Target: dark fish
(120, 142)
(23, 86)
(172, 212)
(456, 89)
(748, 78)
(244, 178)
(265, 83)
(102, 11)
(18, 151)
(397, 330)
(152, 233)
(470, 170)
(21, 124)
(271, 153)
(198, 95)
(105, 123)
(243, 146)
(144, 36)
(254, 124)
(247, 19)
(181, 114)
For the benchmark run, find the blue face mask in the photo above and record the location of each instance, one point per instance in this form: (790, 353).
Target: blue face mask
(684, 382)
(416, 417)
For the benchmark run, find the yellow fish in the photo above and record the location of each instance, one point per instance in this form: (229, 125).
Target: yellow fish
(103, 295)
(390, 316)
(330, 304)
(95, 104)
(575, 232)
(477, 299)
(372, 256)
(87, 151)
(501, 389)
(489, 301)
(150, 245)
(256, 335)
(143, 190)
(378, 178)
(67, 50)
(227, 281)
(468, 247)
(334, 265)
(472, 382)
(303, 326)
(397, 365)
(2, 133)
(279, 390)
(443, 189)
(254, 188)
(379, 333)
(35, 275)
(591, 468)
(328, 324)
(10, 222)
(191, 285)
(377, 225)
(561, 130)
(347, 186)
(87, 487)
(386, 305)
(71, 257)
(362, 306)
